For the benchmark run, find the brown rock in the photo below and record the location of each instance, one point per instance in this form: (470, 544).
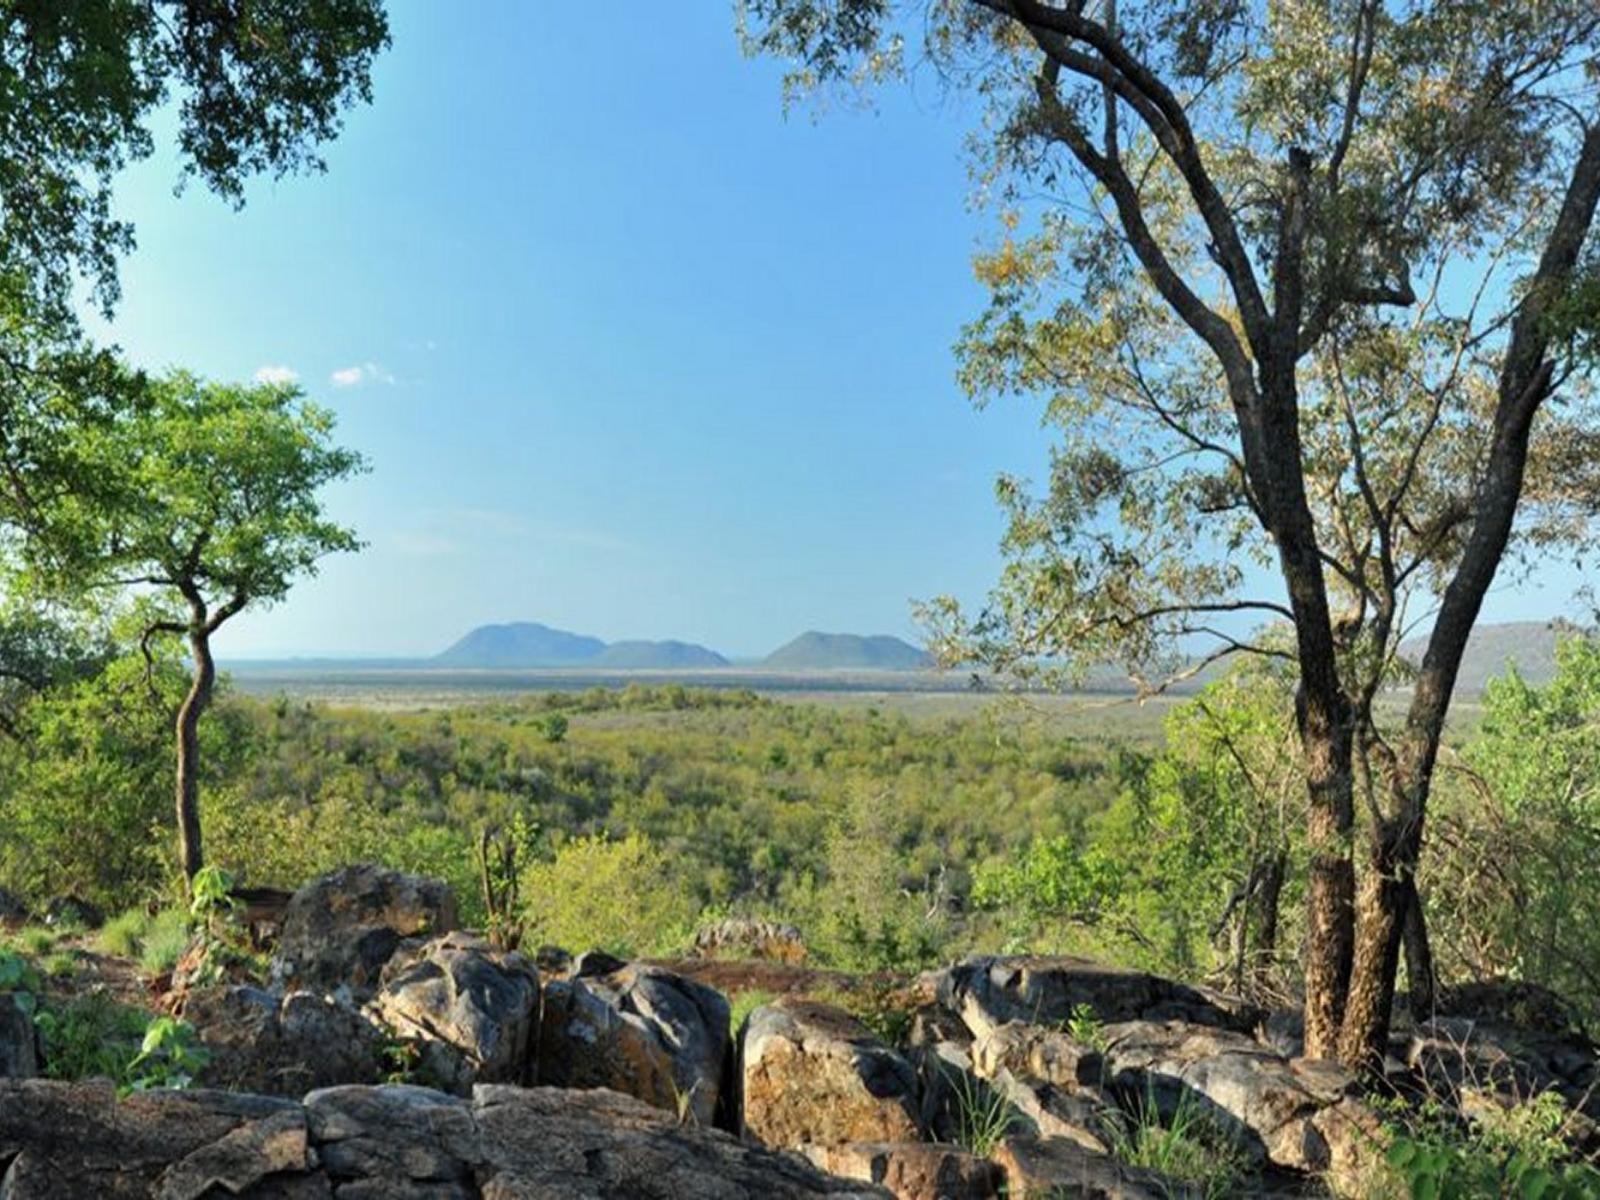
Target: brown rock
(258, 1043)
(1035, 1052)
(812, 1074)
(239, 1160)
(747, 938)
(912, 1170)
(1057, 1168)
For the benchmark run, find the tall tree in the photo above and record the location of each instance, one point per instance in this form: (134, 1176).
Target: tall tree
(216, 509)
(1311, 287)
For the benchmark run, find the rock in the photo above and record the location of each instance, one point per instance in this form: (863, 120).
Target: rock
(19, 1039)
(287, 1047)
(812, 1074)
(1270, 1105)
(1058, 1168)
(474, 1009)
(68, 1141)
(911, 1170)
(1047, 1111)
(553, 962)
(747, 938)
(593, 963)
(643, 1031)
(339, 931)
(987, 992)
(548, 1144)
(73, 912)
(13, 912)
(1033, 1052)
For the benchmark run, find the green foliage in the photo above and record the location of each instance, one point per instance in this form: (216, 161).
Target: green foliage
(123, 934)
(90, 1036)
(1187, 1147)
(742, 1004)
(19, 977)
(1515, 1155)
(163, 942)
(617, 896)
(169, 1056)
(1084, 1025)
(36, 939)
(982, 1115)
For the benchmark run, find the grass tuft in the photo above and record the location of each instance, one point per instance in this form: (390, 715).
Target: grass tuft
(166, 937)
(122, 936)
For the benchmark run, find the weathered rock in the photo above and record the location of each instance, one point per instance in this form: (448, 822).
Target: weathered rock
(66, 1141)
(1035, 1052)
(1058, 1168)
(748, 938)
(474, 1009)
(912, 1170)
(548, 1144)
(641, 1030)
(258, 1043)
(812, 1074)
(339, 931)
(1270, 1105)
(19, 1039)
(987, 992)
(73, 911)
(1045, 1110)
(69, 1141)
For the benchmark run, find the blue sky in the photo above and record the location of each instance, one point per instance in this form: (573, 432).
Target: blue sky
(630, 352)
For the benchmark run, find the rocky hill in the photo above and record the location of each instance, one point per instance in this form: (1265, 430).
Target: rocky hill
(657, 656)
(813, 651)
(1530, 645)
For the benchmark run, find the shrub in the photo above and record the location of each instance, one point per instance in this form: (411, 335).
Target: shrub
(122, 936)
(165, 939)
(617, 896)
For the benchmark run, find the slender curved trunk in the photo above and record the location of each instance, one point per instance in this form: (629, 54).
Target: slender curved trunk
(188, 789)
(1423, 986)
(1265, 954)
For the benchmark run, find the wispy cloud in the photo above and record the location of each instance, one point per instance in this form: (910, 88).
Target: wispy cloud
(276, 374)
(367, 372)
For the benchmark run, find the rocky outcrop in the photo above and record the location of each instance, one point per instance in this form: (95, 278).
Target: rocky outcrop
(339, 931)
(19, 1040)
(912, 1170)
(814, 1075)
(746, 938)
(987, 992)
(473, 1010)
(256, 1042)
(1039, 1168)
(62, 1141)
(641, 1030)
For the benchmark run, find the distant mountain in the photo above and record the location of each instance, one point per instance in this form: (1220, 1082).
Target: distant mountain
(521, 644)
(657, 656)
(846, 651)
(1531, 645)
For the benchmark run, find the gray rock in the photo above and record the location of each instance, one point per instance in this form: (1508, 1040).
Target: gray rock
(19, 1038)
(339, 931)
(643, 1031)
(259, 1043)
(474, 1010)
(1039, 1168)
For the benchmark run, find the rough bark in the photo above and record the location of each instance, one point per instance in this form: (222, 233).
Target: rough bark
(1422, 990)
(190, 852)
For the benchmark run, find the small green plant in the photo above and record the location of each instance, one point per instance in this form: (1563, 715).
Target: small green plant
(743, 1004)
(212, 895)
(59, 965)
(169, 1057)
(1084, 1025)
(165, 939)
(36, 940)
(1188, 1149)
(214, 913)
(982, 1115)
(1513, 1154)
(90, 1036)
(121, 936)
(18, 976)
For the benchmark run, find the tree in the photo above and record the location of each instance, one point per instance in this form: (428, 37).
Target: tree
(216, 509)
(257, 84)
(1312, 292)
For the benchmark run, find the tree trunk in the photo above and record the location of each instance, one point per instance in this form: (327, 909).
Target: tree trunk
(1330, 901)
(188, 790)
(1266, 919)
(1419, 958)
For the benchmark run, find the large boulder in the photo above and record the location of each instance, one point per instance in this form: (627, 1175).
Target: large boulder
(340, 930)
(19, 1039)
(641, 1030)
(1048, 1168)
(811, 1074)
(66, 1141)
(987, 992)
(473, 1010)
(912, 1170)
(257, 1042)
